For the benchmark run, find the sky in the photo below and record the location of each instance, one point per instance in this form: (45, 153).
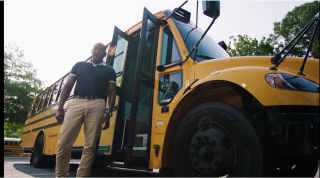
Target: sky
(54, 35)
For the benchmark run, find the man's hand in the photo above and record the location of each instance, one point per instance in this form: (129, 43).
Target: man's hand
(60, 116)
(106, 121)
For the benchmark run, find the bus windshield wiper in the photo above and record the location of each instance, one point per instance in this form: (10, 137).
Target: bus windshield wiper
(205, 57)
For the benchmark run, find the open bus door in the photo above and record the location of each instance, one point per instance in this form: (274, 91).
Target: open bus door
(134, 62)
(139, 132)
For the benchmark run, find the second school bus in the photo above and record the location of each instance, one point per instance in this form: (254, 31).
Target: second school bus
(185, 107)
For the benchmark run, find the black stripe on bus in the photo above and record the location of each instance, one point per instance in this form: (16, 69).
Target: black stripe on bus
(25, 132)
(27, 149)
(46, 126)
(44, 118)
(77, 149)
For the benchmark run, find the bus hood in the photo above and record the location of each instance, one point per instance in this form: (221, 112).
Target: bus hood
(290, 65)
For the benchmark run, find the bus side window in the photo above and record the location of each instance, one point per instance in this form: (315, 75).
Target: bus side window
(37, 103)
(45, 104)
(54, 93)
(15, 143)
(64, 81)
(169, 85)
(32, 108)
(43, 98)
(170, 52)
(72, 90)
(6, 143)
(11, 143)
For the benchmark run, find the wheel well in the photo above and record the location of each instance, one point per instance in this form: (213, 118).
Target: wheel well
(35, 141)
(214, 91)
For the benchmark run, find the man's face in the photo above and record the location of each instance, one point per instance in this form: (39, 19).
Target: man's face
(98, 52)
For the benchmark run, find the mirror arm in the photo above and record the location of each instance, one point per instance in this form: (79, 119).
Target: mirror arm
(276, 59)
(309, 48)
(161, 68)
(197, 16)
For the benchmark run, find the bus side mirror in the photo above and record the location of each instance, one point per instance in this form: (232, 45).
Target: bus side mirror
(211, 8)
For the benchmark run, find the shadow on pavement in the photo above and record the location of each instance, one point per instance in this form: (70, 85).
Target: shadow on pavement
(28, 169)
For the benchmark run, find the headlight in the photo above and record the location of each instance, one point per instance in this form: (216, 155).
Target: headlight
(291, 82)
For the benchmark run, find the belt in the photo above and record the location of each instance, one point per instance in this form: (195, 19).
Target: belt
(88, 97)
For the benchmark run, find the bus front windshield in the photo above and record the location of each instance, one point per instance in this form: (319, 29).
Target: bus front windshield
(208, 48)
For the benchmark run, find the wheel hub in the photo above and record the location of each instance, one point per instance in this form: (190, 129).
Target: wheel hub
(205, 153)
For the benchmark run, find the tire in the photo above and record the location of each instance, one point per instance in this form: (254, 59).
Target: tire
(216, 139)
(300, 168)
(38, 159)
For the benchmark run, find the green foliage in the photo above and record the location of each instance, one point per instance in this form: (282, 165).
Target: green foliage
(284, 32)
(292, 24)
(246, 46)
(20, 85)
(12, 130)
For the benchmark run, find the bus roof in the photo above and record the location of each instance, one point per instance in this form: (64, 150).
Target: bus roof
(12, 139)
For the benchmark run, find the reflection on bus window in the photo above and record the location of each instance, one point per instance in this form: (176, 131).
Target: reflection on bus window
(121, 46)
(150, 52)
(169, 85)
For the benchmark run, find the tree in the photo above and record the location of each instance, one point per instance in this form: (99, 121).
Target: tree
(246, 46)
(20, 85)
(292, 24)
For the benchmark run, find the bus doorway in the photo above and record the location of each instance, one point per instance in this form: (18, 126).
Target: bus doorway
(131, 142)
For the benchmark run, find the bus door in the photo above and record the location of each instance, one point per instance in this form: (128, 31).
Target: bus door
(117, 61)
(139, 131)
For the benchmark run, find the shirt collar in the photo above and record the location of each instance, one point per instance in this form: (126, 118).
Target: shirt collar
(90, 61)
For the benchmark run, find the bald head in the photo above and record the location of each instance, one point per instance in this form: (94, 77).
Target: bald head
(100, 45)
(98, 52)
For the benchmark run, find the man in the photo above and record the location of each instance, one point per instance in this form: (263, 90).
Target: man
(95, 80)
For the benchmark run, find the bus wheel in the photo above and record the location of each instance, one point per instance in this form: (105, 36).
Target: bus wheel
(300, 168)
(217, 139)
(37, 156)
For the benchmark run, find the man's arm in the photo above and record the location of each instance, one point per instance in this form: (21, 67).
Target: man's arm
(64, 95)
(111, 95)
(111, 100)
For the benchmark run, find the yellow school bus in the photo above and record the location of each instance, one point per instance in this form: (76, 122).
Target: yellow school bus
(187, 108)
(12, 145)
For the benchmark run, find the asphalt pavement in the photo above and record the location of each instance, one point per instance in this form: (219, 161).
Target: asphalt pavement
(20, 167)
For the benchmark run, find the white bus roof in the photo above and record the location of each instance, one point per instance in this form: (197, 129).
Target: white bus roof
(12, 139)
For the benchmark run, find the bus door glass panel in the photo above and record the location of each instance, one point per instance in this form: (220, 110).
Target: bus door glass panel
(116, 56)
(119, 55)
(144, 91)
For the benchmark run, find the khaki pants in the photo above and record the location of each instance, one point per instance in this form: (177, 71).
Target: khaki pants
(90, 113)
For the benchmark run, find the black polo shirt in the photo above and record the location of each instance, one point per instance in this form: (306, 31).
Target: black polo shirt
(92, 80)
